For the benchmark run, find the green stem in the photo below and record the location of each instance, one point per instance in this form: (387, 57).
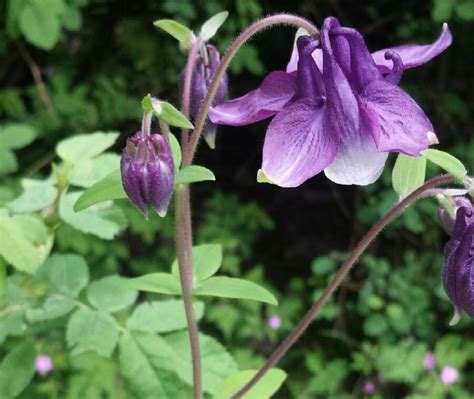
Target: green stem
(346, 266)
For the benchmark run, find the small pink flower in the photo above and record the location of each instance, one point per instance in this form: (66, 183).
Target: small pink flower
(43, 364)
(369, 388)
(274, 322)
(429, 362)
(449, 375)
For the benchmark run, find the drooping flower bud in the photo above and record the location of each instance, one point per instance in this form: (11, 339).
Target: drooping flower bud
(458, 270)
(447, 217)
(205, 68)
(147, 169)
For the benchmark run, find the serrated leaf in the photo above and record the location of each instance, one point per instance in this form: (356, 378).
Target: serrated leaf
(17, 370)
(104, 220)
(53, 308)
(174, 28)
(106, 189)
(207, 259)
(408, 174)
(161, 283)
(162, 316)
(176, 151)
(85, 146)
(194, 174)
(146, 362)
(170, 115)
(23, 241)
(111, 294)
(68, 273)
(90, 330)
(36, 196)
(446, 161)
(229, 287)
(212, 25)
(88, 172)
(265, 387)
(217, 363)
(40, 23)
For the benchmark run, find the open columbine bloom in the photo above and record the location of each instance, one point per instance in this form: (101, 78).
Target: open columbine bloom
(147, 170)
(338, 108)
(458, 270)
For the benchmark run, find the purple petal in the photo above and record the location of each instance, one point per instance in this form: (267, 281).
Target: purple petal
(274, 93)
(465, 272)
(299, 143)
(130, 171)
(414, 55)
(292, 65)
(403, 126)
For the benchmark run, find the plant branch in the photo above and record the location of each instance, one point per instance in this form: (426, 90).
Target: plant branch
(279, 19)
(334, 283)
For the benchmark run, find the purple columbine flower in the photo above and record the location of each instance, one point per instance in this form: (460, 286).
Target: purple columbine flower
(429, 361)
(338, 108)
(205, 68)
(369, 388)
(449, 375)
(458, 270)
(147, 169)
(43, 364)
(274, 322)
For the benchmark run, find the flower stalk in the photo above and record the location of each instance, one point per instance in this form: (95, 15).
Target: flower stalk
(344, 269)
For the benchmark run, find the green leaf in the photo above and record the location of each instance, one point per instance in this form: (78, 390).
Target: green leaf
(265, 388)
(212, 25)
(108, 188)
(72, 18)
(36, 196)
(90, 330)
(68, 273)
(217, 363)
(90, 171)
(11, 323)
(16, 135)
(161, 283)
(408, 174)
(103, 220)
(176, 151)
(162, 316)
(17, 370)
(446, 161)
(111, 294)
(175, 29)
(23, 241)
(146, 362)
(85, 146)
(40, 23)
(207, 259)
(229, 287)
(170, 115)
(194, 174)
(53, 308)
(147, 103)
(8, 162)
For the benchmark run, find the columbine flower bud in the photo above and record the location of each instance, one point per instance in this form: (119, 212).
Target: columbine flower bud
(448, 217)
(148, 172)
(204, 70)
(458, 270)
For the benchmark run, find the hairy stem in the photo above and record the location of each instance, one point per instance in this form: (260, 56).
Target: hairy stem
(346, 266)
(186, 94)
(183, 249)
(279, 19)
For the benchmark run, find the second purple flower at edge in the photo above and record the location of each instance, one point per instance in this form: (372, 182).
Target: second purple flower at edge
(337, 108)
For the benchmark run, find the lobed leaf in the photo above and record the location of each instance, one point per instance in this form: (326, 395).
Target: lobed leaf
(194, 174)
(446, 161)
(408, 174)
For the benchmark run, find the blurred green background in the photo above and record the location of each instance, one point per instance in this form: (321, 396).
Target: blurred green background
(86, 66)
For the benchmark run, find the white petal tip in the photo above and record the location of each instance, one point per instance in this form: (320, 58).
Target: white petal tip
(433, 139)
(456, 317)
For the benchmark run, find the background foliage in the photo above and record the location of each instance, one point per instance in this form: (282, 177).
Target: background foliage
(97, 59)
